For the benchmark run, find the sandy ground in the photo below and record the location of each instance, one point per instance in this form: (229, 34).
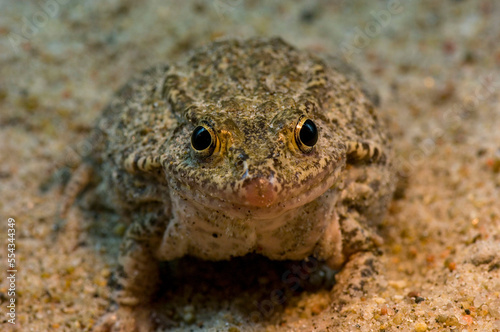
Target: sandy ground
(437, 68)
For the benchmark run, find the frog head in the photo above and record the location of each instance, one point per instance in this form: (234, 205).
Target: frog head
(254, 155)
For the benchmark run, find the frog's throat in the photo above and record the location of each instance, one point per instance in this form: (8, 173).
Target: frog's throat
(203, 199)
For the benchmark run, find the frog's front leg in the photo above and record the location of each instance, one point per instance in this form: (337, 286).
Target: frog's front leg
(343, 237)
(137, 276)
(351, 248)
(364, 193)
(138, 273)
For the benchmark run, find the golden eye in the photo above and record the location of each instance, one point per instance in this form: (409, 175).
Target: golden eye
(306, 134)
(204, 140)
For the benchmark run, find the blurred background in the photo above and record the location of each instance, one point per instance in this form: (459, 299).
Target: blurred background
(436, 66)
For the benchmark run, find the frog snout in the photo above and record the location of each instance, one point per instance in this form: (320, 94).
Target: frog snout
(258, 192)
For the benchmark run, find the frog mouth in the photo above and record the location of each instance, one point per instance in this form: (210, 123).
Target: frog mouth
(257, 202)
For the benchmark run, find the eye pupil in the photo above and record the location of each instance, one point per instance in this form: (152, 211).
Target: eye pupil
(308, 133)
(201, 138)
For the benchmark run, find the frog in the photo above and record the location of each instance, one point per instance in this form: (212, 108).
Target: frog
(243, 146)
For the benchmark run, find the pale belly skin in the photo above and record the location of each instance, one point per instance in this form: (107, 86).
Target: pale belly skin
(294, 235)
(216, 158)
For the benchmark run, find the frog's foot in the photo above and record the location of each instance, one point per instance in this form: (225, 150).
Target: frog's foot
(126, 319)
(357, 279)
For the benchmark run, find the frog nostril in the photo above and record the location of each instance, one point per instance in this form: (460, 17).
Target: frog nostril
(240, 163)
(242, 156)
(244, 170)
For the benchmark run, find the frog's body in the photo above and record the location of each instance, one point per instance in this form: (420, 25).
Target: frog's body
(216, 157)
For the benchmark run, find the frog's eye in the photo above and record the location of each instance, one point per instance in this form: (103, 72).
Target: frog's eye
(306, 134)
(204, 140)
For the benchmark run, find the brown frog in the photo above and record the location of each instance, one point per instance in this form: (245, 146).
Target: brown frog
(246, 146)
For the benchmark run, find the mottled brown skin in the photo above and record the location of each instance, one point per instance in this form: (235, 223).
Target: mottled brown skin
(260, 190)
